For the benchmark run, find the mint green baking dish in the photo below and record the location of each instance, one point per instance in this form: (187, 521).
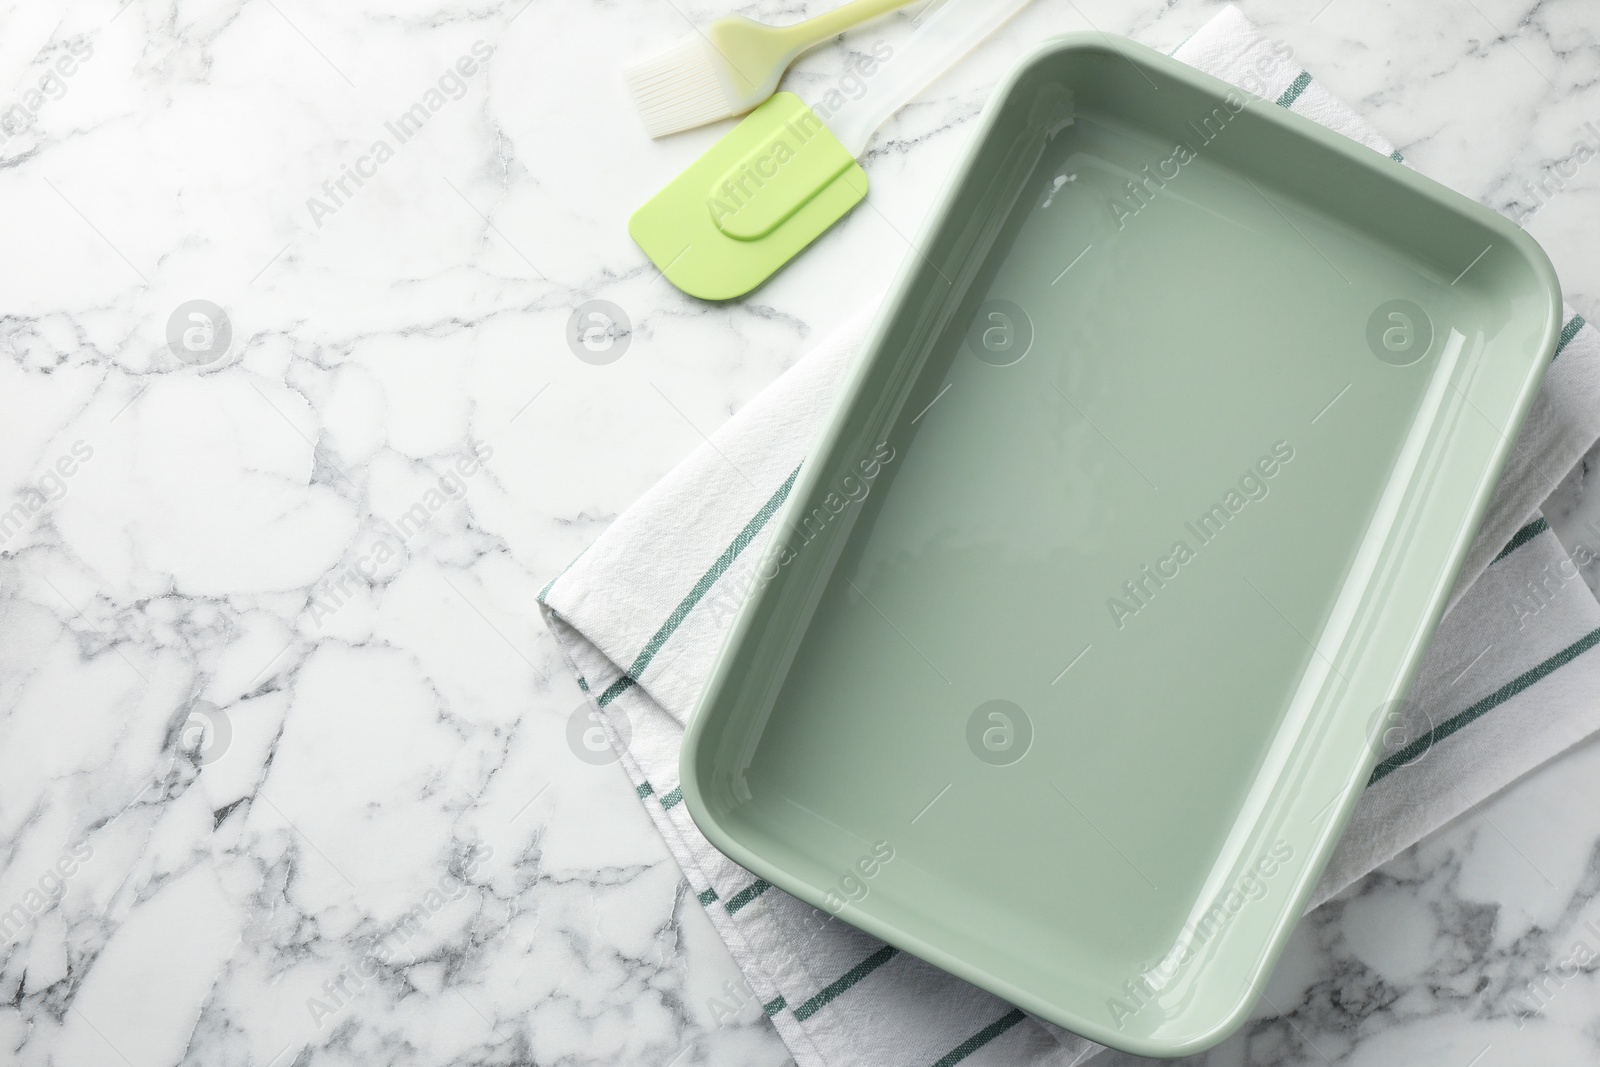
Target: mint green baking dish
(1070, 650)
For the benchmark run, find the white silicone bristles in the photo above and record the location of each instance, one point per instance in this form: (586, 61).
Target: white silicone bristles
(682, 87)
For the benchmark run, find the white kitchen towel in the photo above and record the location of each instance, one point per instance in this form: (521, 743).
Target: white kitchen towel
(641, 614)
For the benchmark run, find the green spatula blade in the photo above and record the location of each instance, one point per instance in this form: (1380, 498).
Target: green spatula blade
(751, 203)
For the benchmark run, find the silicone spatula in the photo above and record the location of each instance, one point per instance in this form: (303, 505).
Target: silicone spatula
(784, 174)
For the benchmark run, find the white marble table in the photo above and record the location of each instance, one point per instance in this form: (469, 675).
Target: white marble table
(327, 542)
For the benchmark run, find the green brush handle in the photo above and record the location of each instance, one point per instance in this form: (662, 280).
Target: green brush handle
(813, 31)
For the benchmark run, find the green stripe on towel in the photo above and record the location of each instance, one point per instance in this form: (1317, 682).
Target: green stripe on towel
(1568, 332)
(979, 1039)
(850, 978)
(1484, 706)
(1522, 537)
(747, 894)
(694, 596)
(1296, 87)
(614, 690)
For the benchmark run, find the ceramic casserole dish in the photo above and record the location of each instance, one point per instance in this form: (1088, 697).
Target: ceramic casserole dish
(1079, 628)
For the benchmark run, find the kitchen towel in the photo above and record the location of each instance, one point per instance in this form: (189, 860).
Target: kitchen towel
(641, 614)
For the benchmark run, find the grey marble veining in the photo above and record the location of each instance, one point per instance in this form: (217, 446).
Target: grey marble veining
(288, 769)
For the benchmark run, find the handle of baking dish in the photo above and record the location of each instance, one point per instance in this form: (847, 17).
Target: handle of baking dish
(946, 34)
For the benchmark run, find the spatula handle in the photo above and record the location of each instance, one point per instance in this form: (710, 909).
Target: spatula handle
(814, 31)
